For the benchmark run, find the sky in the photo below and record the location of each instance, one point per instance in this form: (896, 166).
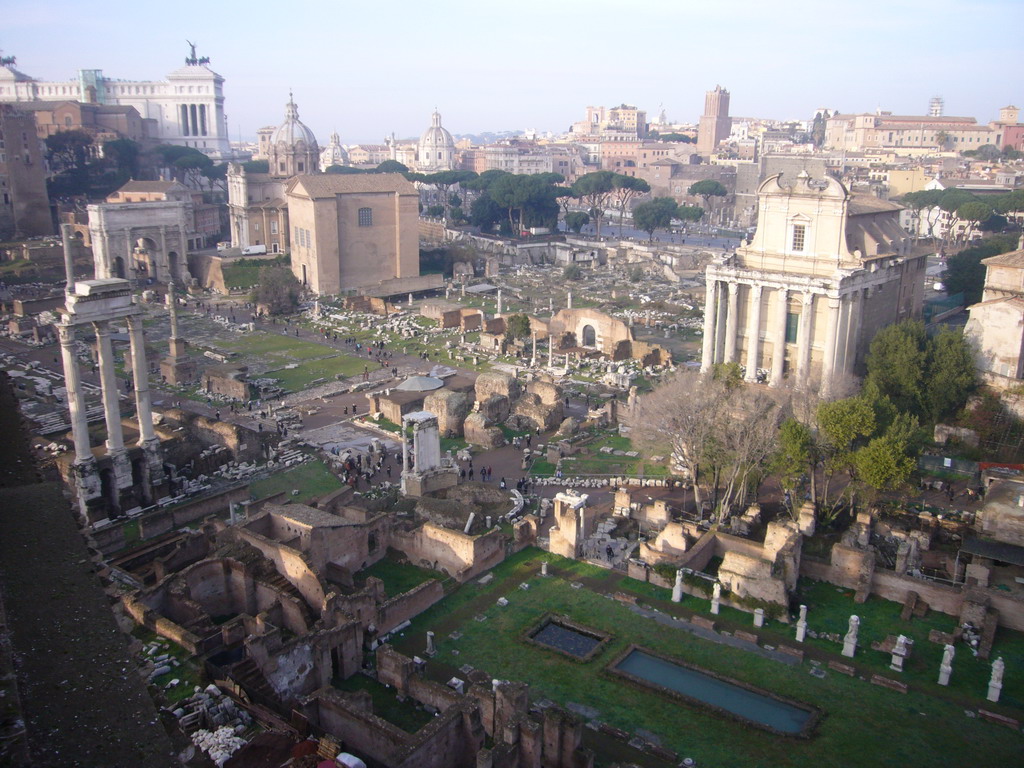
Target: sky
(367, 69)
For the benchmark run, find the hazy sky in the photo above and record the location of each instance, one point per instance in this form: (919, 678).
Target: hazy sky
(370, 68)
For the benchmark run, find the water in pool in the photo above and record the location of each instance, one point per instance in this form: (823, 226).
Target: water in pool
(732, 698)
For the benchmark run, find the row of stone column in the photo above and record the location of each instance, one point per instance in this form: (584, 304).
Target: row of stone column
(194, 120)
(721, 316)
(108, 384)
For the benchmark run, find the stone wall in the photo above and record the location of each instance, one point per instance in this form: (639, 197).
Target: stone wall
(408, 605)
(452, 552)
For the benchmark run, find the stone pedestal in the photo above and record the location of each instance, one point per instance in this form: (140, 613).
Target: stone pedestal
(431, 650)
(544, 568)
(850, 641)
(677, 590)
(801, 625)
(946, 667)
(716, 598)
(759, 617)
(995, 683)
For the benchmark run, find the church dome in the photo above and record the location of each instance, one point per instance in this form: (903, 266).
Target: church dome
(333, 153)
(436, 136)
(292, 131)
(436, 147)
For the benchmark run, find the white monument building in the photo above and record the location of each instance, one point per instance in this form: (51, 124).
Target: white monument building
(186, 109)
(824, 272)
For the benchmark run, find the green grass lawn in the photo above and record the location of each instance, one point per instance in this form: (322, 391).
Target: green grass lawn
(273, 346)
(864, 725)
(245, 273)
(313, 480)
(298, 378)
(399, 577)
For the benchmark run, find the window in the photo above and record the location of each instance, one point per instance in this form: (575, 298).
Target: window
(365, 217)
(302, 167)
(799, 235)
(273, 227)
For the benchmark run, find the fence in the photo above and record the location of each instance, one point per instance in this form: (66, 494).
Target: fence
(941, 464)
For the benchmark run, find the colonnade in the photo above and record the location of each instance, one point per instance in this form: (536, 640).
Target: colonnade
(722, 333)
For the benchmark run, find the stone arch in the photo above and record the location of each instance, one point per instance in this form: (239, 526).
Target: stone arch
(173, 266)
(588, 336)
(146, 258)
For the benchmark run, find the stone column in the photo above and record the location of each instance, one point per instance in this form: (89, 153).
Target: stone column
(829, 352)
(108, 381)
(759, 617)
(779, 337)
(431, 649)
(804, 335)
(533, 358)
(732, 315)
(710, 315)
(568, 300)
(499, 300)
(142, 403)
(723, 310)
(853, 328)
(842, 332)
(677, 589)
(754, 333)
(716, 597)
(76, 402)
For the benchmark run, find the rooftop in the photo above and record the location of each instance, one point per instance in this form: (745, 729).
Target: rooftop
(330, 184)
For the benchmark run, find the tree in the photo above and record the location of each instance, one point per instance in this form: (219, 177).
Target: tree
(712, 426)
(843, 425)
(707, 189)
(966, 274)
(445, 182)
(278, 290)
(654, 214)
(952, 375)
(391, 166)
(595, 190)
(572, 272)
(123, 154)
(263, 166)
(576, 221)
(692, 213)
(951, 201)
(626, 188)
(484, 212)
(896, 364)
(975, 212)
(921, 201)
(885, 463)
(518, 327)
(69, 150)
(796, 456)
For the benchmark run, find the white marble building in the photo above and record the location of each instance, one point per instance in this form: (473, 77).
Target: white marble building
(186, 109)
(824, 272)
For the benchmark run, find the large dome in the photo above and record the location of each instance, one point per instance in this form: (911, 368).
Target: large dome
(292, 131)
(436, 136)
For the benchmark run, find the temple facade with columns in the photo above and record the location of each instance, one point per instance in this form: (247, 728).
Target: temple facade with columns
(823, 273)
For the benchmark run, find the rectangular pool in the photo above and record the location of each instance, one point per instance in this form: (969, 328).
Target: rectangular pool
(566, 640)
(760, 709)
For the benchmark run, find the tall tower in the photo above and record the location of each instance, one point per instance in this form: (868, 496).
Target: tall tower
(715, 123)
(935, 106)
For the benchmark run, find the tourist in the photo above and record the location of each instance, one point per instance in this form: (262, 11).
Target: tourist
(502, 484)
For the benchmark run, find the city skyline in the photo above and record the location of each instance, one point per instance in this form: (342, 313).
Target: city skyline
(540, 69)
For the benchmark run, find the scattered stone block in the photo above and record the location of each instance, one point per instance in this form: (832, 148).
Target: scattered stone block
(789, 651)
(845, 669)
(995, 717)
(750, 637)
(615, 733)
(704, 623)
(885, 682)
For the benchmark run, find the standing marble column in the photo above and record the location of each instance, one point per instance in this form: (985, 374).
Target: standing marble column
(76, 401)
(710, 315)
(730, 322)
(804, 336)
(754, 333)
(779, 337)
(829, 352)
(855, 301)
(108, 381)
(839, 366)
(143, 407)
(720, 325)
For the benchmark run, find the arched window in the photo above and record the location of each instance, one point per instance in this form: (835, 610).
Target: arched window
(365, 217)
